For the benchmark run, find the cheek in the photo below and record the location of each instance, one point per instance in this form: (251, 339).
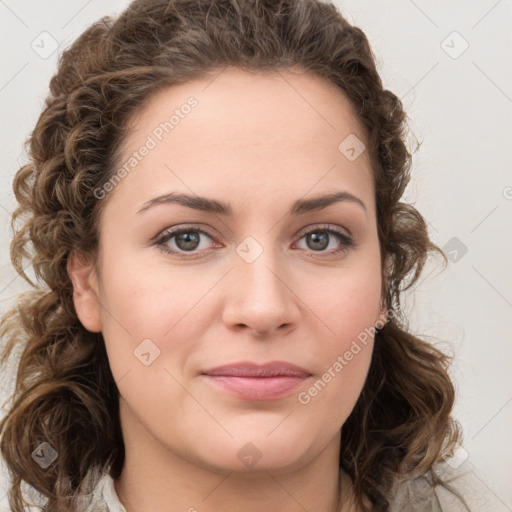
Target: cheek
(149, 299)
(348, 308)
(348, 303)
(339, 380)
(147, 318)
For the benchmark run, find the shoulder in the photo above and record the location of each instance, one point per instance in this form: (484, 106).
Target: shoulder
(104, 497)
(421, 494)
(99, 494)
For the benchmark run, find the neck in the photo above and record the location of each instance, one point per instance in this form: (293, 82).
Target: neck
(153, 478)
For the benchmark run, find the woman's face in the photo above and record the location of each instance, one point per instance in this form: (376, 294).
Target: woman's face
(257, 274)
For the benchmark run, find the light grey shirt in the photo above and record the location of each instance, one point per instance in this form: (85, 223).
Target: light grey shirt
(416, 495)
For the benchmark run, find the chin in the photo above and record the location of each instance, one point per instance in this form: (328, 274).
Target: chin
(256, 452)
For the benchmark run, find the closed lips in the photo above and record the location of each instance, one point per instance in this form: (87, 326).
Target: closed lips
(252, 370)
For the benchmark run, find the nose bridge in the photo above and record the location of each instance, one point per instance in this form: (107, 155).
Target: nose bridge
(261, 277)
(260, 297)
(258, 268)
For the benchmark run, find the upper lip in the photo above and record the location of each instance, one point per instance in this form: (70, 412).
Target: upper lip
(249, 369)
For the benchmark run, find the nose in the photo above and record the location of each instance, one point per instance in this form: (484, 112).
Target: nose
(261, 298)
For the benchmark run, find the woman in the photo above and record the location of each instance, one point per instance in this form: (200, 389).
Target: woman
(213, 205)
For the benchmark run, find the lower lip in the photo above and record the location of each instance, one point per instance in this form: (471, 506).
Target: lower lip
(257, 388)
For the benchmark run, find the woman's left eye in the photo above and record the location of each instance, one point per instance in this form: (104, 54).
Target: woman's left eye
(188, 240)
(319, 239)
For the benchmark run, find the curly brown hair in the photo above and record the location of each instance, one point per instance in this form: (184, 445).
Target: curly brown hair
(65, 393)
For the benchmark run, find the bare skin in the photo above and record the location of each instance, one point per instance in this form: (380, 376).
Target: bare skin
(258, 142)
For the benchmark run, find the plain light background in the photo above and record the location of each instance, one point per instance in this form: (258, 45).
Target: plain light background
(450, 62)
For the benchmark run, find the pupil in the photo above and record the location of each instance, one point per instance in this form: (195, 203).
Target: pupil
(190, 242)
(316, 238)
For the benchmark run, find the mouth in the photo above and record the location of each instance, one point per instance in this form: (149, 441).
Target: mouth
(251, 381)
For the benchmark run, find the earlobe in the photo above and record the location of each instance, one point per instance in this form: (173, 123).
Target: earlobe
(382, 319)
(85, 291)
(383, 316)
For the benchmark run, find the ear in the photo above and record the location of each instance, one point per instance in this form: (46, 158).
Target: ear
(383, 315)
(83, 276)
(382, 318)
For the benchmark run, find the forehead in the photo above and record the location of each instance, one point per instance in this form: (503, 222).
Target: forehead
(275, 131)
(267, 106)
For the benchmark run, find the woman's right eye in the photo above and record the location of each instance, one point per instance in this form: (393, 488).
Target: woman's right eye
(182, 241)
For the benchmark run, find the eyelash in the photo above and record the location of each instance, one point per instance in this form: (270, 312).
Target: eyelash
(162, 240)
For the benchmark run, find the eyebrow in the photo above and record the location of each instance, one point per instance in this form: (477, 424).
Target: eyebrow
(214, 206)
